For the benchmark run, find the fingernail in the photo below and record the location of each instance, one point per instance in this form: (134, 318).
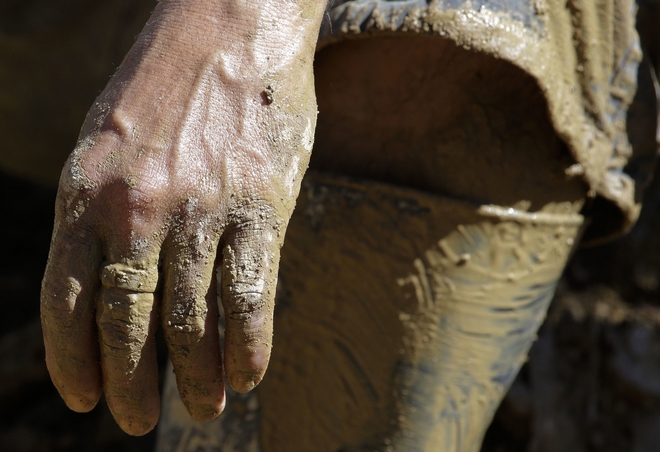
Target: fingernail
(242, 381)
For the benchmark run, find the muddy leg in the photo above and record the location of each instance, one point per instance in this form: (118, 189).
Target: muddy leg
(405, 329)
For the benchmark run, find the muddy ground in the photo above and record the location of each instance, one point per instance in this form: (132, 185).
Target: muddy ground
(592, 382)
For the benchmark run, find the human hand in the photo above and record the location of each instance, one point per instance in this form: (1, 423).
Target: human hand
(190, 159)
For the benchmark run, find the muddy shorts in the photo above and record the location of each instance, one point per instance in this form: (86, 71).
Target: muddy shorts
(585, 57)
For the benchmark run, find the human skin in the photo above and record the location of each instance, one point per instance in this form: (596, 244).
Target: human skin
(190, 159)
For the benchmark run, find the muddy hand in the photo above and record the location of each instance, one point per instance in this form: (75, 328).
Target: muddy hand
(190, 159)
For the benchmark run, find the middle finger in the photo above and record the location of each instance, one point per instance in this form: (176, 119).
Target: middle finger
(126, 321)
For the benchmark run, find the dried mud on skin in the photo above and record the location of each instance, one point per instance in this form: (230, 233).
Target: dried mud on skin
(592, 382)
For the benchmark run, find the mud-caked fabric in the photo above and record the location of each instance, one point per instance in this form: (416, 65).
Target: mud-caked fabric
(584, 55)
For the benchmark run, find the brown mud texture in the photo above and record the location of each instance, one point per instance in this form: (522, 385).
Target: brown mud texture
(592, 382)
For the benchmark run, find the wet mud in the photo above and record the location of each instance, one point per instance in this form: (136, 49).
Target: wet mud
(590, 374)
(419, 310)
(367, 351)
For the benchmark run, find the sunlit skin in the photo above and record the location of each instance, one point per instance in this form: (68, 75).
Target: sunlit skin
(189, 160)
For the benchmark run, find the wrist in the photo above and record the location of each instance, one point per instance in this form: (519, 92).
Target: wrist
(258, 36)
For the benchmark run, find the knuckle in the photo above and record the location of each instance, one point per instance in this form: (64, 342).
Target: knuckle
(185, 325)
(59, 298)
(123, 318)
(128, 277)
(249, 275)
(253, 216)
(243, 305)
(118, 334)
(248, 328)
(74, 180)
